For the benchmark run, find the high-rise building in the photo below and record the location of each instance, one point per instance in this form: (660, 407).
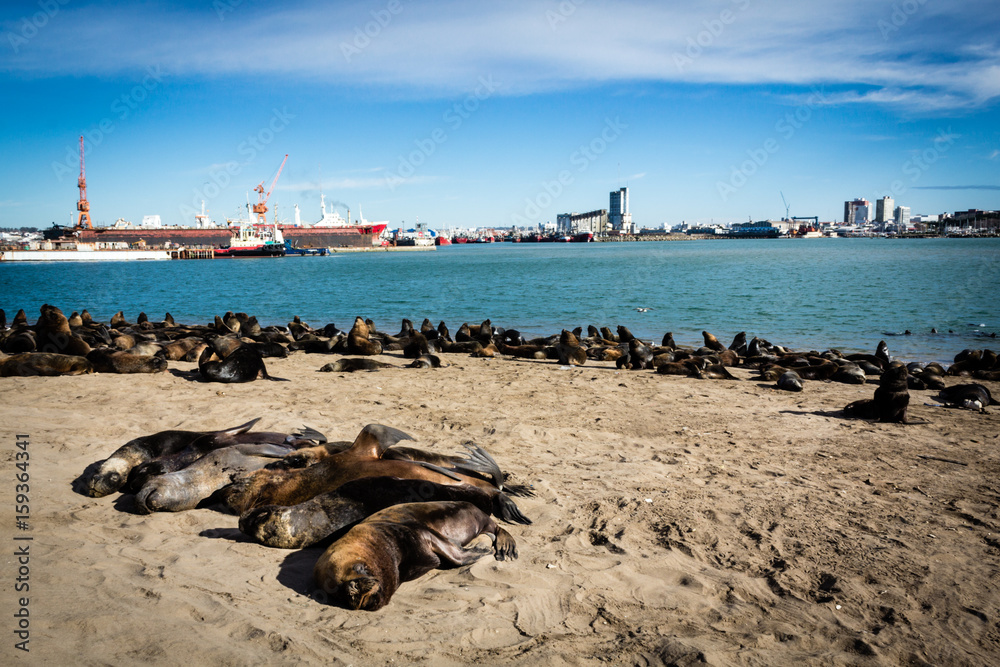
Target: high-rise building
(619, 217)
(884, 210)
(902, 217)
(856, 212)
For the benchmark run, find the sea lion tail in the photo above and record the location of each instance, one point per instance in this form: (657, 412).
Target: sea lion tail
(508, 511)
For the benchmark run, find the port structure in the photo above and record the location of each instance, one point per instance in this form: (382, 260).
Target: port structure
(83, 206)
(260, 208)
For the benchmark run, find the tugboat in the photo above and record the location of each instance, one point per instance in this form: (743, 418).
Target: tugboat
(251, 239)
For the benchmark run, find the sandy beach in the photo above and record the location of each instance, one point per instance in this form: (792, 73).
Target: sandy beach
(676, 521)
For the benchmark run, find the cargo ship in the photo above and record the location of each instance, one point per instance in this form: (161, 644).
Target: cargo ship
(331, 231)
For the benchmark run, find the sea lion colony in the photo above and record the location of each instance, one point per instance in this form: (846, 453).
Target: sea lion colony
(408, 510)
(234, 346)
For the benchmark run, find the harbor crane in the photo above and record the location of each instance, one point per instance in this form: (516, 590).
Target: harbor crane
(83, 206)
(785, 202)
(260, 208)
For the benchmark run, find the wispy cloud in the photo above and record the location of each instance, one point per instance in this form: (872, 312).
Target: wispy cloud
(957, 187)
(939, 58)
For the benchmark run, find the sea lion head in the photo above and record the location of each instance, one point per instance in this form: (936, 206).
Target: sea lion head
(363, 593)
(109, 478)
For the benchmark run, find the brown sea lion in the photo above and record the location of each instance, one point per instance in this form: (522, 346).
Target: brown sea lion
(712, 342)
(316, 519)
(106, 360)
(365, 458)
(113, 472)
(890, 401)
(365, 567)
(54, 334)
(358, 341)
(244, 364)
(569, 350)
(44, 363)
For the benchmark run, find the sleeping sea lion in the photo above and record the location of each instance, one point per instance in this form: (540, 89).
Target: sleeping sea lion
(351, 364)
(44, 363)
(309, 522)
(972, 396)
(184, 489)
(364, 568)
(113, 472)
(366, 457)
(105, 360)
(790, 381)
(244, 364)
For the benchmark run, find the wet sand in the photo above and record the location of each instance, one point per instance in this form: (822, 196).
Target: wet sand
(676, 521)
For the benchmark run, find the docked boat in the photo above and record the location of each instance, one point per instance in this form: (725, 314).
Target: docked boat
(292, 250)
(253, 239)
(79, 252)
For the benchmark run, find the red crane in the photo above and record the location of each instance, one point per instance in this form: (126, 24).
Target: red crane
(260, 208)
(83, 206)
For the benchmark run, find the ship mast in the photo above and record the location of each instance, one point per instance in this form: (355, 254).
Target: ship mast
(83, 206)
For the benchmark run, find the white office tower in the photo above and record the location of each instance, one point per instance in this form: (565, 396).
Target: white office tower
(619, 217)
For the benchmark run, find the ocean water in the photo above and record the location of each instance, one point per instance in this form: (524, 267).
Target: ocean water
(803, 293)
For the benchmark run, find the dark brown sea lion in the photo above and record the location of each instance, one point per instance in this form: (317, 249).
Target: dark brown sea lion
(118, 321)
(316, 519)
(569, 350)
(20, 319)
(244, 364)
(685, 368)
(523, 351)
(351, 364)
(790, 381)
(106, 360)
(44, 363)
(973, 396)
(429, 361)
(54, 334)
(114, 471)
(890, 401)
(365, 567)
(365, 458)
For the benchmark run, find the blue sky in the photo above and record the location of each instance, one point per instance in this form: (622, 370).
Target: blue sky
(490, 114)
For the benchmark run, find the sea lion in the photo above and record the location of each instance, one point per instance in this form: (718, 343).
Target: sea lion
(890, 400)
(365, 458)
(364, 568)
(54, 334)
(790, 381)
(351, 364)
(184, 489)
(44, 363)
(20, 319)
(113, 472)
(569, 350)
(316, 519)
(107, 361)
(668, 341)
(358, 341)
(712, 342)
(118, 320)
(242, 365)
(972, 396)
(429, 361)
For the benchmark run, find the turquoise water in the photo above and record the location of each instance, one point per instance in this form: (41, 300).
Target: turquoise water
(808, 293)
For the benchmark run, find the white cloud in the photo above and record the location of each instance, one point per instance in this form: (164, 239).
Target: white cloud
(933, 58)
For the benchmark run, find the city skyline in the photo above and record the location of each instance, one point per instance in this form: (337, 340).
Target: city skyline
(468, 116)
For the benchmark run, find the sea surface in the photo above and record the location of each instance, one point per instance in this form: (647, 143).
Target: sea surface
(802, 293)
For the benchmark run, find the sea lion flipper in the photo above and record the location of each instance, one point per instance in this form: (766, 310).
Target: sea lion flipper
(479, 460)
(242, 428)
(504, 546)
(309, 433)
(506, 509)
(374, 439)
